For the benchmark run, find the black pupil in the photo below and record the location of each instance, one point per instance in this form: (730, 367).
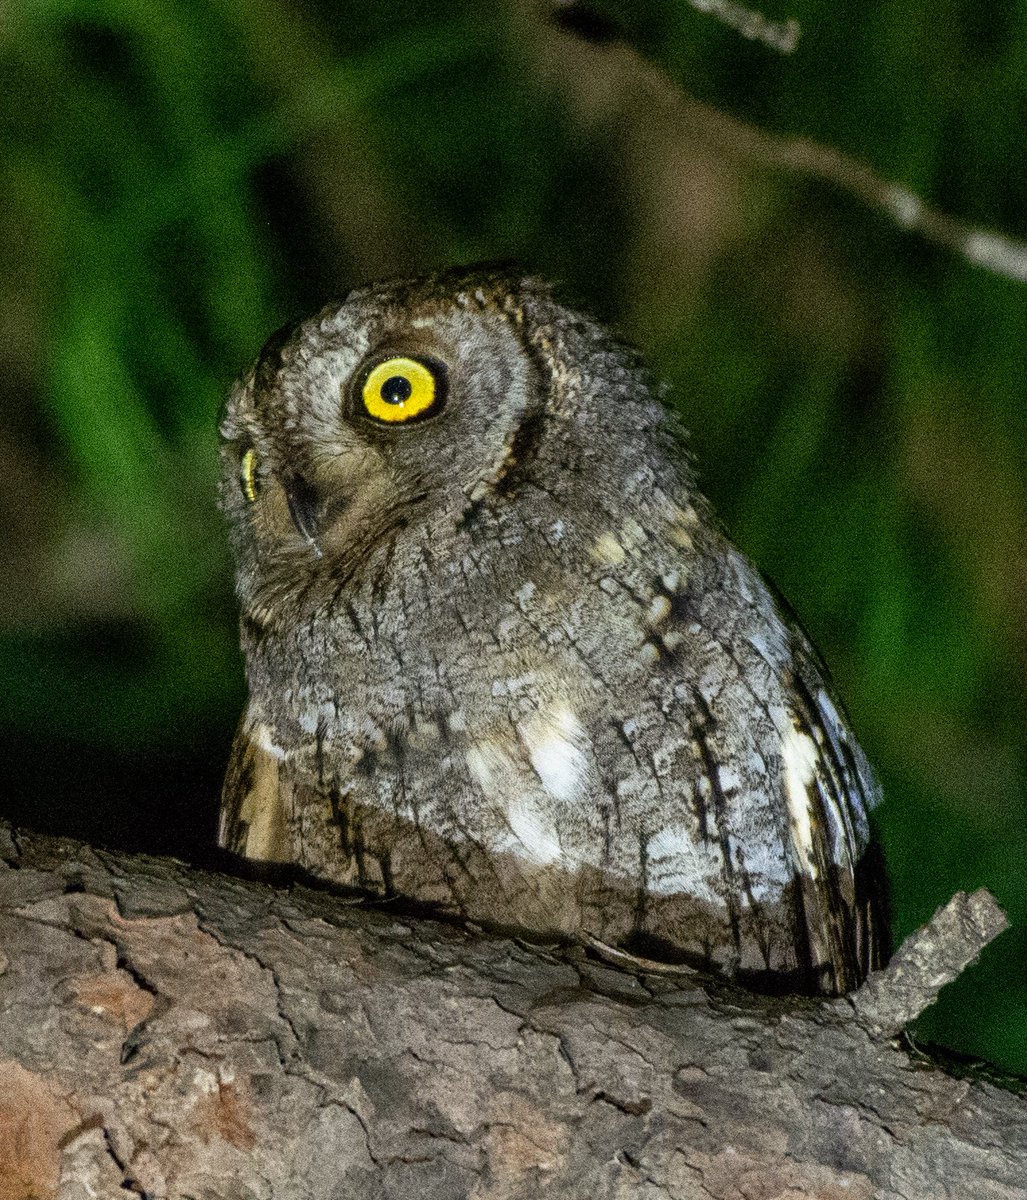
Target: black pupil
(397, 389)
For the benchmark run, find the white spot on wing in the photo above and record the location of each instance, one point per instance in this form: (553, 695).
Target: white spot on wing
(649, 654)
(799, 757)
(632, 534)
(558, 751)
(608, 550)
(659, 609)
(490, 767)
(533, 835)
(862, 791)
(826, 706)
(536, 834)
(729, 779)
(323, 715)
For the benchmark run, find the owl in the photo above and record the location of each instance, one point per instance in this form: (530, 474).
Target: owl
(502, 660)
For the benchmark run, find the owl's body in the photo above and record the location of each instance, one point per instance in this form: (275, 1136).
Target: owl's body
(502, 659)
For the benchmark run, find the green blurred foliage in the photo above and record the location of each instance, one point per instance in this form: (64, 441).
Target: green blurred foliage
(178, 179)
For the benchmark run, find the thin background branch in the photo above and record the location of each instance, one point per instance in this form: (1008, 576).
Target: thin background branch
(995, 252)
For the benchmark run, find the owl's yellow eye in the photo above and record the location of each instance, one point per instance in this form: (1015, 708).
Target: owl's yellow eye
(248, 475)
(402, 389)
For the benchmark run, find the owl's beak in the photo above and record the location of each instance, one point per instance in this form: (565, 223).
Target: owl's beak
(305, 508)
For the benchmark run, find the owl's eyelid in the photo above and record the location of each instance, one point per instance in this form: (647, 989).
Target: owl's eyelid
(438, 366)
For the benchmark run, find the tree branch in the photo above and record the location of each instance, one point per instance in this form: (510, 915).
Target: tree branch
(181, 1034)
(750, 146)
(927, 960)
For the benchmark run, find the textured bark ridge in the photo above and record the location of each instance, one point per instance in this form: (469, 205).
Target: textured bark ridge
(172, 1033)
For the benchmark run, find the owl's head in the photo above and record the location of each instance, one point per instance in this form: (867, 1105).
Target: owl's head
(410, 409)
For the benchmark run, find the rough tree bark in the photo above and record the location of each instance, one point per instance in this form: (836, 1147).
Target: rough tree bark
(175, 1033)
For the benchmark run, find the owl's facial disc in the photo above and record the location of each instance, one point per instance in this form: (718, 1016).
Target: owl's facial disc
(432, 403)
(372, 424)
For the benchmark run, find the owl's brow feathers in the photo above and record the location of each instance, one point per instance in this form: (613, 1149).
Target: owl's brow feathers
(272, 360)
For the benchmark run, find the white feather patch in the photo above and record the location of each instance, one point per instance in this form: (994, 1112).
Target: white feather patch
(532, 835)
(537, 835)
(261, 736)
(491, 768)
(558, 751)
(799, 757)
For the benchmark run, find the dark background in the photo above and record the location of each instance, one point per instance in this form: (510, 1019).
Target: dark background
(178, 179)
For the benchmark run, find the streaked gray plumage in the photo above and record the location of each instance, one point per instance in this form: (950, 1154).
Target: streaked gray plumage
(502, 659)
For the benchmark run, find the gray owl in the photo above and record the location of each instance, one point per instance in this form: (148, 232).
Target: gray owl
(502, 659)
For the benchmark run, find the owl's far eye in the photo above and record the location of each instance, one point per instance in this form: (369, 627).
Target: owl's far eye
(248, 475)
(403, 389)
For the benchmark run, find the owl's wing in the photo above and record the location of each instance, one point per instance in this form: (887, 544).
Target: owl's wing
(274, 812)
(254, 821)
(841, 893)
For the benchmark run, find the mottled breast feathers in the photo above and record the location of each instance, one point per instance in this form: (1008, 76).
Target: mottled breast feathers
(502, 659)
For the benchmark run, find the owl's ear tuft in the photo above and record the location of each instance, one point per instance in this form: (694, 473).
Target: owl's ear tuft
(501, 280)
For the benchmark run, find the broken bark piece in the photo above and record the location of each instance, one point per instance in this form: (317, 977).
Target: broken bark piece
(927, 960)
